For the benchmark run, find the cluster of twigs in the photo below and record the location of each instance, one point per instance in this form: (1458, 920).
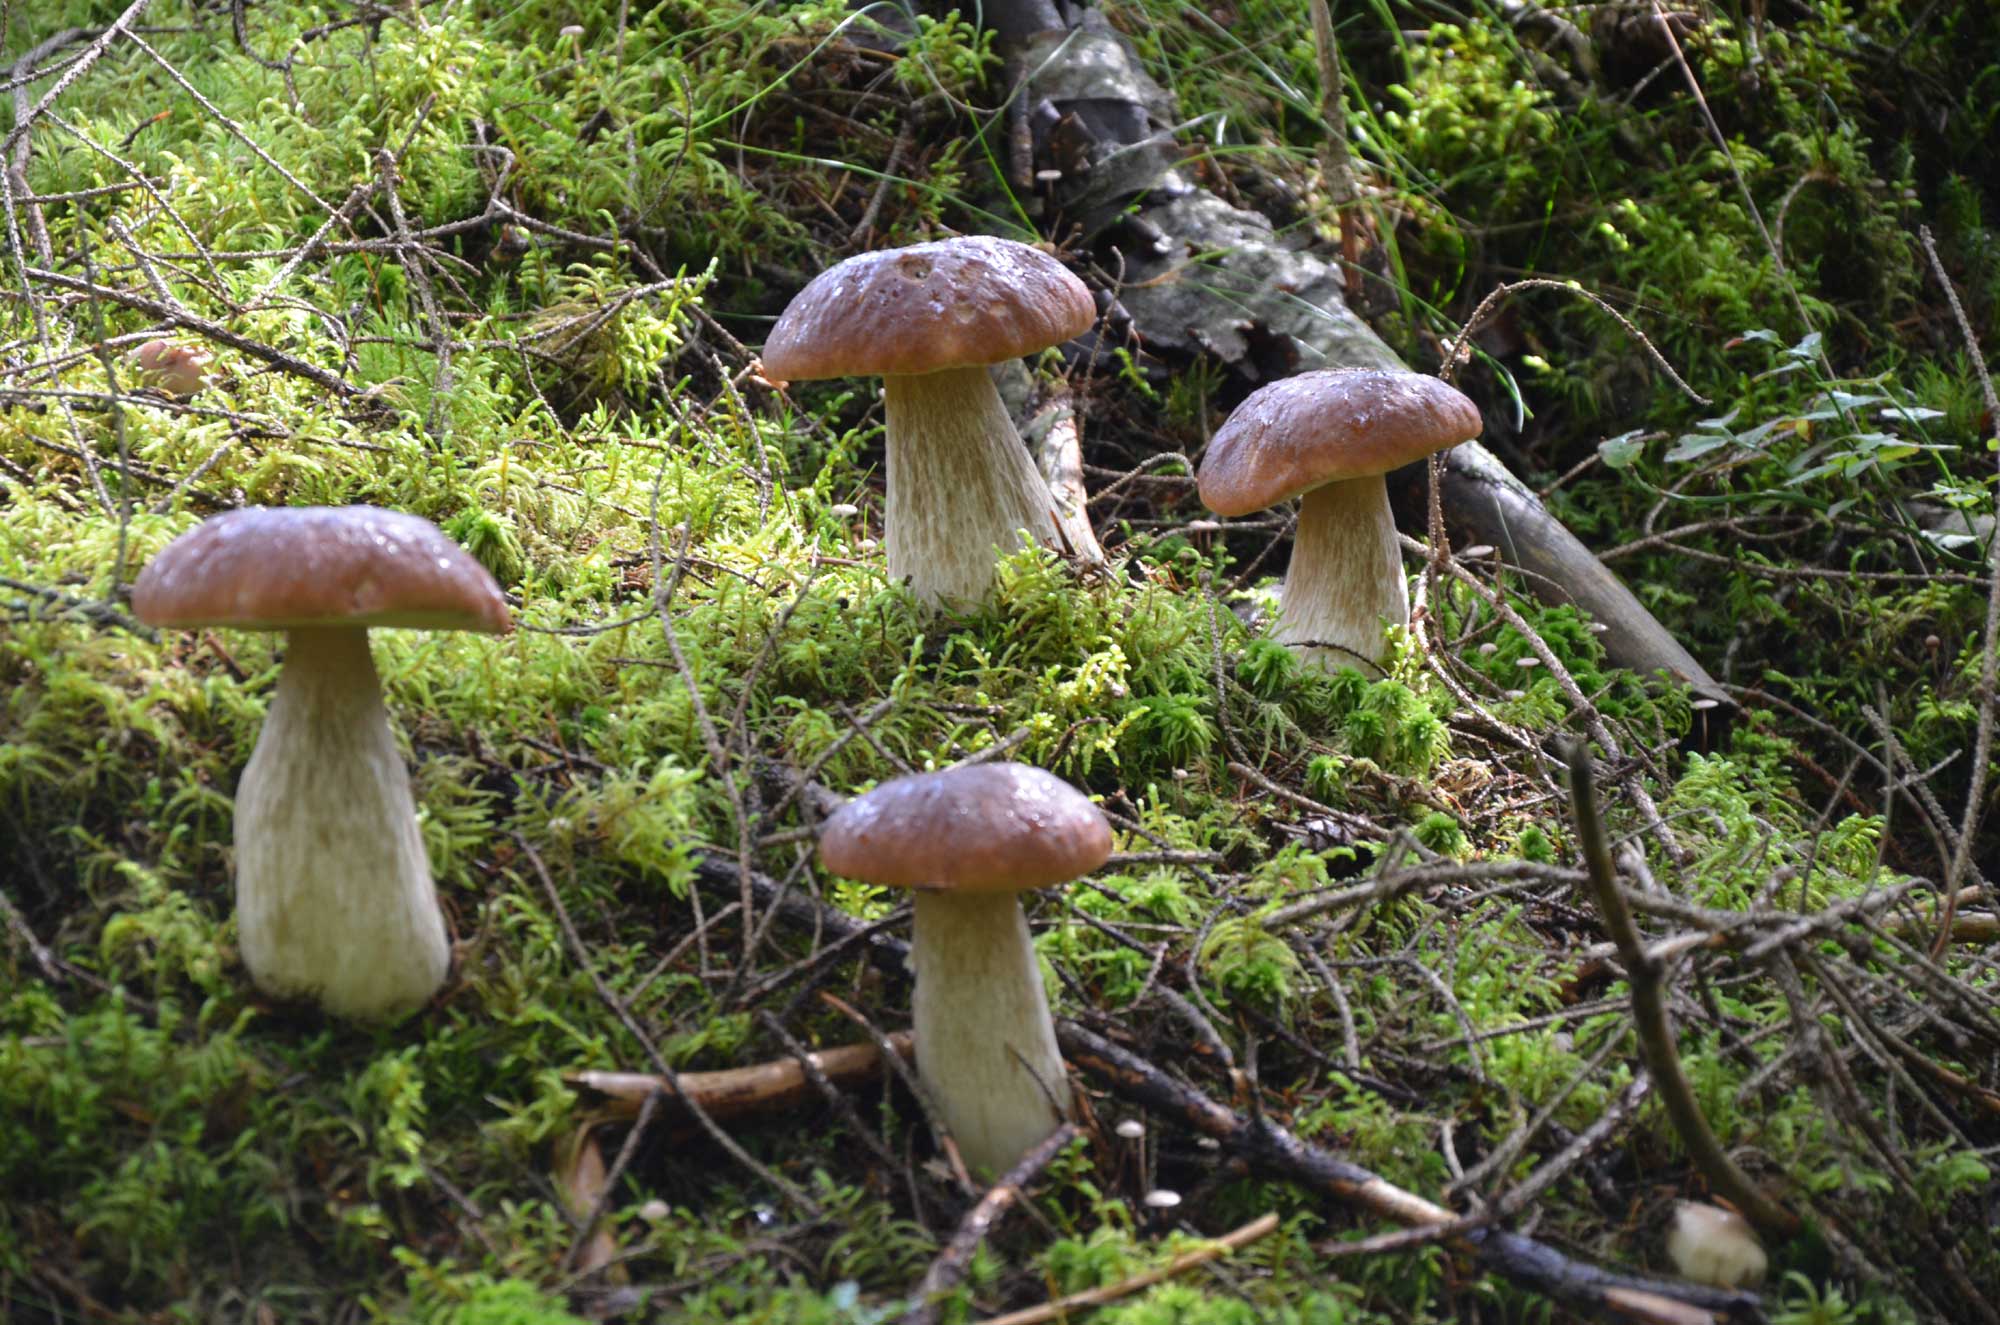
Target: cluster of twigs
(1859, 966)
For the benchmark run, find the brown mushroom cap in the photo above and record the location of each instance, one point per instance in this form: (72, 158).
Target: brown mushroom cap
(980, 828)
(1326, 426)
(178, 370)
(954, 303)
(277, 567)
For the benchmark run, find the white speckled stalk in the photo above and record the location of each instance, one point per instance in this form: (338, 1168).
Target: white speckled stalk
(960, 485)
(1346, 577)
(986, 1048)
(334, 899)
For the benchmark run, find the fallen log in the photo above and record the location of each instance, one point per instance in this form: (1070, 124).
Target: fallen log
(1485, 503)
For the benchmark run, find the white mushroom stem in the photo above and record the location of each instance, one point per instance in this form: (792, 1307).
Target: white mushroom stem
(1346, 577)
(334, 899)
(961, 486)
(986, 1048)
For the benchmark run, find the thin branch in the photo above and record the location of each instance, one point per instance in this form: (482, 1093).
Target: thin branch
(1645, 973)
(952, 1263)
(734, 1092)
(1989, 662)
(1260, 1227)
(1267, 1146)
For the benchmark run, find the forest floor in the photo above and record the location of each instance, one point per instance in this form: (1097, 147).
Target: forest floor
(506, 266)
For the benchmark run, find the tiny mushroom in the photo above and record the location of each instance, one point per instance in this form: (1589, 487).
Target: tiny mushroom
(334, 898)
(179, 370)
(929, 319)
(1332, 435)
(967, 839)
(1714, 1246)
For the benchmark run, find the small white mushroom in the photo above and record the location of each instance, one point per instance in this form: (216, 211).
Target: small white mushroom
(1711, 1245)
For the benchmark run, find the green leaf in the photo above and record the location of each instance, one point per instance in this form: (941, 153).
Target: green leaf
(1619, 452)
(1692, 446)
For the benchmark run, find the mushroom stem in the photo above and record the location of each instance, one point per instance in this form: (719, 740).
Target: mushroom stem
(334, 898)
(1346, 576)
(986, 1048)
(960, 484)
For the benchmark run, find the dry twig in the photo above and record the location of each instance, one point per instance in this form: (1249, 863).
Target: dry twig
(949, 1268)
(1060, 1308)
(738, 1091)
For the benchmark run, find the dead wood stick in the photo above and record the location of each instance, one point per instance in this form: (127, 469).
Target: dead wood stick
(17, 145)
(736, 1091)
(1048, 423)
(1265, 1145)
(1987, 1100)
(1057, 442)
(1963, 929)
(44, 958)
(1262, 1226)
(1645, 973)
(948, 1270)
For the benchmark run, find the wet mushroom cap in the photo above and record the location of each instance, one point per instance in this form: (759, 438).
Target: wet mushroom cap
(1324, 427)
(953, 303)
(979, 828)
(279, 567)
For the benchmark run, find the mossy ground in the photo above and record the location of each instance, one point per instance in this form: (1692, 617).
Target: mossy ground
(701, 600)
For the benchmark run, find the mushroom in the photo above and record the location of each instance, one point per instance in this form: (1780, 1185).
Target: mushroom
(334, 898)
(179, 370)
(929, 319)
(967, 839)
(1332, 436)
(1714, 1246)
